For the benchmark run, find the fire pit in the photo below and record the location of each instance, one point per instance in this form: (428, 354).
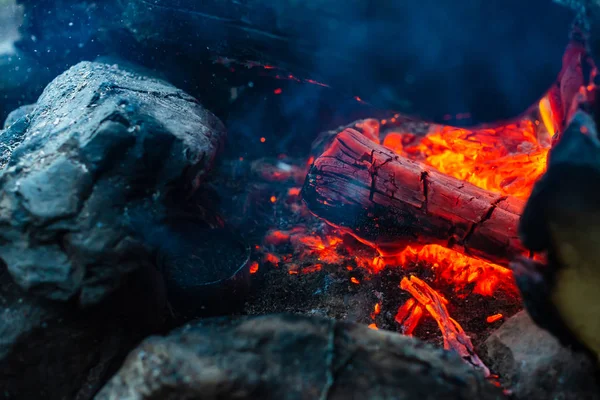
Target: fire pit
(225, 204)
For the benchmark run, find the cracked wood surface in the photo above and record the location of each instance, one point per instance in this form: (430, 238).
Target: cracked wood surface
(389, 201)
(292, 357)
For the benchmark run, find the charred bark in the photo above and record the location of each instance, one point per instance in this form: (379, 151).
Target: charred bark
(389, 201)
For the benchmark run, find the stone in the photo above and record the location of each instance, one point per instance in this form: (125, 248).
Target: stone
(17, 114)
(51, 350)
(104, 144)
(533, 364)
(292, 357)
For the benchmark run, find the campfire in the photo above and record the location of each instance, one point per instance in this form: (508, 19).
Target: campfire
(482, 175)
(288, 200)
(437, 205)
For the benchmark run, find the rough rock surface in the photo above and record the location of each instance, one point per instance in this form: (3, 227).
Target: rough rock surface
(103, 146)
(17, 114)
(533, 364)
(292, 357)
(51, 350)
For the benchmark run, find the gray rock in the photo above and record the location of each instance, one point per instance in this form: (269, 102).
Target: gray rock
(17, 114)
(292, 357)
(51, 350)
(102, 146)
(534, 365)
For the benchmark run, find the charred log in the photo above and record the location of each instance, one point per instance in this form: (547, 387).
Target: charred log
(389, 201)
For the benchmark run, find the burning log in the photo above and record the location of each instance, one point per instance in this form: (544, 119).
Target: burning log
(389, 201)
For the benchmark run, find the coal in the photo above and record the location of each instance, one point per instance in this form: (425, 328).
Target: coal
(103, 143)
(292, 357)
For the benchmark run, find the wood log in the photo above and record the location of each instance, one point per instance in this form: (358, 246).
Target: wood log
(389, 201)
(405, 56)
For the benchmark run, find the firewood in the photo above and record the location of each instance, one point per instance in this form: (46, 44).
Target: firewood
(389, 201)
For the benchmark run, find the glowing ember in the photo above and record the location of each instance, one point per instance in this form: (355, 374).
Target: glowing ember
(409, 316)
(294, 191)
(459, 270)
(454, 336)
(506, 160)
(254, 267)
(493, 318)
(376, 311)
(373, 326)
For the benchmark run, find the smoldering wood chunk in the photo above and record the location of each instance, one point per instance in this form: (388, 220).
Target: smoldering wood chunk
(390, 201)
(534, 365)
(292, 357)
(102, 142)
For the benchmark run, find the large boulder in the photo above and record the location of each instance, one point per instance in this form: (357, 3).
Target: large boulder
(292, 357)
(533, 364)
(104, 147)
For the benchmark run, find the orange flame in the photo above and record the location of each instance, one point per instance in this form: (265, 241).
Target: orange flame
(506, 160)
(459, 270)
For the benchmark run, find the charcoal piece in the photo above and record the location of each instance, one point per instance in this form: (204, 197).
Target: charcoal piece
(533, 365)
(292, 357)
(405, 56)
(51, 350)
(101, 143)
